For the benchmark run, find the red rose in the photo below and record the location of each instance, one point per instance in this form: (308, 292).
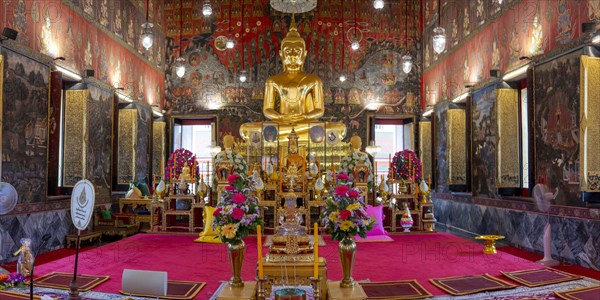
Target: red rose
(231, 179)
(229, 188)
(344, 215)
(343, 176)
(341, 190)
(353, 194)
(237, 213)
(217, 212)
(239, 198)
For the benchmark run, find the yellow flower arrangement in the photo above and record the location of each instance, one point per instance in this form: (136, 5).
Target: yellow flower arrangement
(334, 217)
(354, 206)
(345, 225)
(229, 230)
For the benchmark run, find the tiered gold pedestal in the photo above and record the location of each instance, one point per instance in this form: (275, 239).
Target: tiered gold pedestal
(247, 292)
(303, 271)
(339, 293)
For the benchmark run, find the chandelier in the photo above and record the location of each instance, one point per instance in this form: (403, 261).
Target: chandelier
(293, 6)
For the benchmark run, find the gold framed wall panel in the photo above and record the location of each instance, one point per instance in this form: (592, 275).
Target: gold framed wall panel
(1, 108)
(126, 148)
(589, 144)
(158, 149)
(75, 136)
(507, 139)
(425, 146)
(457, 147)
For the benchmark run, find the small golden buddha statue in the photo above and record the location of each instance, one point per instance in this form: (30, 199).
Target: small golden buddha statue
(186, 173)
(357, 164)
(298, 96)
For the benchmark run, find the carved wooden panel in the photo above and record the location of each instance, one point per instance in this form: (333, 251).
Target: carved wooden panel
(507, 139)
(126, 152)
(158, 149)
(589, 144)
(75, 131)
(425, 146)
(457, 147)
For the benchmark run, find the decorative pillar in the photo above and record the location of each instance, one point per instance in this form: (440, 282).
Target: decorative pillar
(456, 156)
(589, 130)
(507, 139)
(75, 136)
(126, 146)
(425, 146)
(158, 149)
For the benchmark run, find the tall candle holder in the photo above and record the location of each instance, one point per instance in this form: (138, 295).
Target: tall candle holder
(316, 285)
(260, 288)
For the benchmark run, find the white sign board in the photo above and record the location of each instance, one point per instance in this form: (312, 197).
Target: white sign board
(82, 204)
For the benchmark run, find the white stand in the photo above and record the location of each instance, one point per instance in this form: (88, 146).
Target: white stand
(547, 260)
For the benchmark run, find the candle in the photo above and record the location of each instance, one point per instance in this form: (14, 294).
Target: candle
(316, 251)
(260, 265)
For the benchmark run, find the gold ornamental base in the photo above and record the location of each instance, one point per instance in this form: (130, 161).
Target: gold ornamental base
(489, 242)
(245, 292)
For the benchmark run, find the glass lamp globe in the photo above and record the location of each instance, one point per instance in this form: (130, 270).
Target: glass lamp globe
(243, 77)
(180, 67)
(342, 78)
(439, 40)
(355, 45)
(407, 63)
(147, 35)
(230, 44)
(378, 4)
(206, 9)
(373, 149)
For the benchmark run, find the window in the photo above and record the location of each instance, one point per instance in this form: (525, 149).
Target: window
(196, 136)
(392, 138)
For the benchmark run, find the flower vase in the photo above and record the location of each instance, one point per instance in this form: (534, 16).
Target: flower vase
(235, 251)
(347, 250)
(406, 221)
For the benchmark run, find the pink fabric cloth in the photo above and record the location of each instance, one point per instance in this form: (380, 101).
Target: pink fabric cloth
(374, 238)
(377, 213)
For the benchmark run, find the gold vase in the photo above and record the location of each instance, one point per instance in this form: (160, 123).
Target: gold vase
(235, 251)
(347, 250)
(402, 187)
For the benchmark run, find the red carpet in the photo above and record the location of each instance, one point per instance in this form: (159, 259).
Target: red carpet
(410, 256)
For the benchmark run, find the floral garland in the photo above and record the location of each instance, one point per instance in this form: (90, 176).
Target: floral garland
(404, 164)
(344, 215)
(350, 161)
(237, 212)
(176, 162)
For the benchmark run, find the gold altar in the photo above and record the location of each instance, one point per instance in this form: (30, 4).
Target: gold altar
(302, 270)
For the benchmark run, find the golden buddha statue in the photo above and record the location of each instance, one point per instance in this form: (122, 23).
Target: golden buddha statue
(293, 99)
(357, 165)
(186, 173)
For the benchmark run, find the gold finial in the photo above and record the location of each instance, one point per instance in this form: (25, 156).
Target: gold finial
(293, 23)
(293, 35)
(293, 136)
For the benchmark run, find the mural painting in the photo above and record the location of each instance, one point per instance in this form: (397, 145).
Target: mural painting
(25, 126)
(100, 139)
(484, 143)
(557, 127)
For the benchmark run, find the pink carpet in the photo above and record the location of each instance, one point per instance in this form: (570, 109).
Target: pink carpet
(409, 256)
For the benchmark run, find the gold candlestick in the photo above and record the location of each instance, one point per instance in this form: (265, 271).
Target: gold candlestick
(260, 289)
(316, 285)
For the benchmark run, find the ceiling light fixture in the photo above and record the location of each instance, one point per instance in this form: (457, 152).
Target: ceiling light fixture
(147, 34)
(439, 34)
(243, 76)
(355, 43)
(406, 59)
(378, 4)
(180, 61)
(206, 8)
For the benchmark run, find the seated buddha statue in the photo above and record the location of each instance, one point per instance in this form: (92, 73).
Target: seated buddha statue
(228, 162)
(293, 99)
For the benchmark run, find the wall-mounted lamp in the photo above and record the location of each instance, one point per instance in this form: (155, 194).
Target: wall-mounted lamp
(461, 98)
(515, 73)
(10, 33)
(69, 73)
(428, 112)
(58, 58)
(124, 97)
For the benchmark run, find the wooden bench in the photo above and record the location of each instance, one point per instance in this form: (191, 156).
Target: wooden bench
(88, 236)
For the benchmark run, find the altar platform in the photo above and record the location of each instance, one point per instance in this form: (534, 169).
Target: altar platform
(416, 256)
